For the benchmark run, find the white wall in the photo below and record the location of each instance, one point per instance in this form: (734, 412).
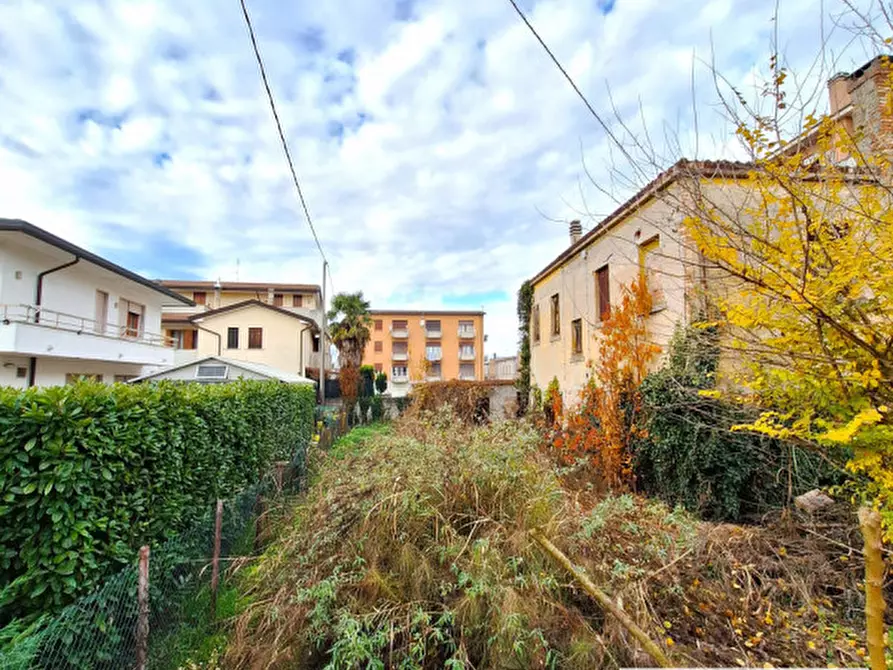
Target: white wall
(188, 373)
(8, 371)
(73, 289)
(52, 371)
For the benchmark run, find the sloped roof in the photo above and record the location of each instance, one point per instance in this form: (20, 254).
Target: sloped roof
(19, 226)
(249, 303)
(237, 286)
(257, 368)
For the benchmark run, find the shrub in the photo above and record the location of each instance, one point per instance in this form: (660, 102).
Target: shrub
(693, 458)
(381, 382)
(90, 472)
(367, 381)
(377, 408)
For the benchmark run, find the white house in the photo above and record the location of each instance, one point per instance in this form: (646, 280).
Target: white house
(66, 312)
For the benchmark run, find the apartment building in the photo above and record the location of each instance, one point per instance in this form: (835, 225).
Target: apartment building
(414, 346)
(66, 312)
(275, 325)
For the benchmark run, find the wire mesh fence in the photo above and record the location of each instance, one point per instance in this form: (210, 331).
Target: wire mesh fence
(101, 630)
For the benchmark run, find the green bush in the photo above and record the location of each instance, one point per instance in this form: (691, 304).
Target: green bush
(377, 408)
(693, 458)
(88, 473)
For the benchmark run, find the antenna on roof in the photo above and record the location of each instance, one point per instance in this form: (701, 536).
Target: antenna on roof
(237, 269)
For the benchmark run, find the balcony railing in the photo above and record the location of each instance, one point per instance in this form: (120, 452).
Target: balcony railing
(49, 318)
(466, 355)
(467, 377)
(433, 333)
(401, 332)
(400, 356)
(466, 332)
(400, 379)
(432, 378)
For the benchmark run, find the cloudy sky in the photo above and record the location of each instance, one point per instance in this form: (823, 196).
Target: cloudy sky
(433, 138)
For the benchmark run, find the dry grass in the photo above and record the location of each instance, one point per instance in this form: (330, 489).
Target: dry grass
(411, 550)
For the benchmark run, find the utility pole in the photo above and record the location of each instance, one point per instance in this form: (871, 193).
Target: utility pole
(322, 338)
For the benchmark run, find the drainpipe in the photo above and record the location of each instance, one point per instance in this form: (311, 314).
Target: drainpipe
(301, 350)
(38, 300)
(217, 335)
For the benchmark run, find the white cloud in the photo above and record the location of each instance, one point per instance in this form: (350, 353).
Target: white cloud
(424, 146)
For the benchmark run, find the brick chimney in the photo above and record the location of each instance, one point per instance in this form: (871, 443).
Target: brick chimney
(576, 231)
(870, 93)
(838, 92)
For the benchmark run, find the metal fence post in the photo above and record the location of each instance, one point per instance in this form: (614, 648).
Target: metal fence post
(215, 560)
(142, 625)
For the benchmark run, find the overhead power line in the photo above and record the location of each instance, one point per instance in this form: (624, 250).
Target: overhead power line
(291, 165)
(570, 81)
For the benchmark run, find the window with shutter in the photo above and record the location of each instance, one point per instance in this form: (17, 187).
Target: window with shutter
(603, 293)
(255, 338)
(277, 300)
(556, 316)
(297, 301)
(649, 259)
(232, 338)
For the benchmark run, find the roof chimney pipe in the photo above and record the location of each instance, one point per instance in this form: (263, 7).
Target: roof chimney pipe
(576, 231)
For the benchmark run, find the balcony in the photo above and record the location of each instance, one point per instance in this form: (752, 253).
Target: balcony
(467, 377)
(400, 332)
(466, 332)
(434, 356)
(466, 355)
(400, 379)
(36, 331)
(400, 356)
(432, 378)
(434, 333)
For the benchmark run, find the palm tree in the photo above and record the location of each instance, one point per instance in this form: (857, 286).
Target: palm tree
(349, 323)
(349, 329)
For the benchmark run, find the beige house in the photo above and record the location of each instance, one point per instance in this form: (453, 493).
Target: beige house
(644, 238)
(276, 325)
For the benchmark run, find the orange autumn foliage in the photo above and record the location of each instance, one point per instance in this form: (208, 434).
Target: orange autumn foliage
(602, 426)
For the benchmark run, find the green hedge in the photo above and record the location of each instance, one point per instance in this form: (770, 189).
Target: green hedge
(90, 472)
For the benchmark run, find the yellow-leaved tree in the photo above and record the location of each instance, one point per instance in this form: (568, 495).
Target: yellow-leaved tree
(799, 257)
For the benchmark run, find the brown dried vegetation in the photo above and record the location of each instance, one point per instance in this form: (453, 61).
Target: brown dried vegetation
(412, 549)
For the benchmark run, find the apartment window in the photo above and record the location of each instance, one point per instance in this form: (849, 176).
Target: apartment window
(577, 336)
(378, 368)
(556, 316)
(400, 348)
(535, 325)
(102, 311)
(232, 338)
(650, 272)
(466, 351)
(133, 318)
(277, 299)
(398, 372)
(400, 325)
(466, 371)
(200, 297)
(434, 370)
(466, 329)
(433, 351)
(255, 338)
(185, 339)
(21, 373)
(316, 344)
(432, 326)
(297, 301)
(379, 324)
(123, 379)
(602, 293)
(378, 347)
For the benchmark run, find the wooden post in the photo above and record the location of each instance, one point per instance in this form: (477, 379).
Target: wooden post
(870, 523)
(215, 560)
(142, 623)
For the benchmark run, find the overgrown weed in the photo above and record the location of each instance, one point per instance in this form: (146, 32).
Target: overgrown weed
(412, 550)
